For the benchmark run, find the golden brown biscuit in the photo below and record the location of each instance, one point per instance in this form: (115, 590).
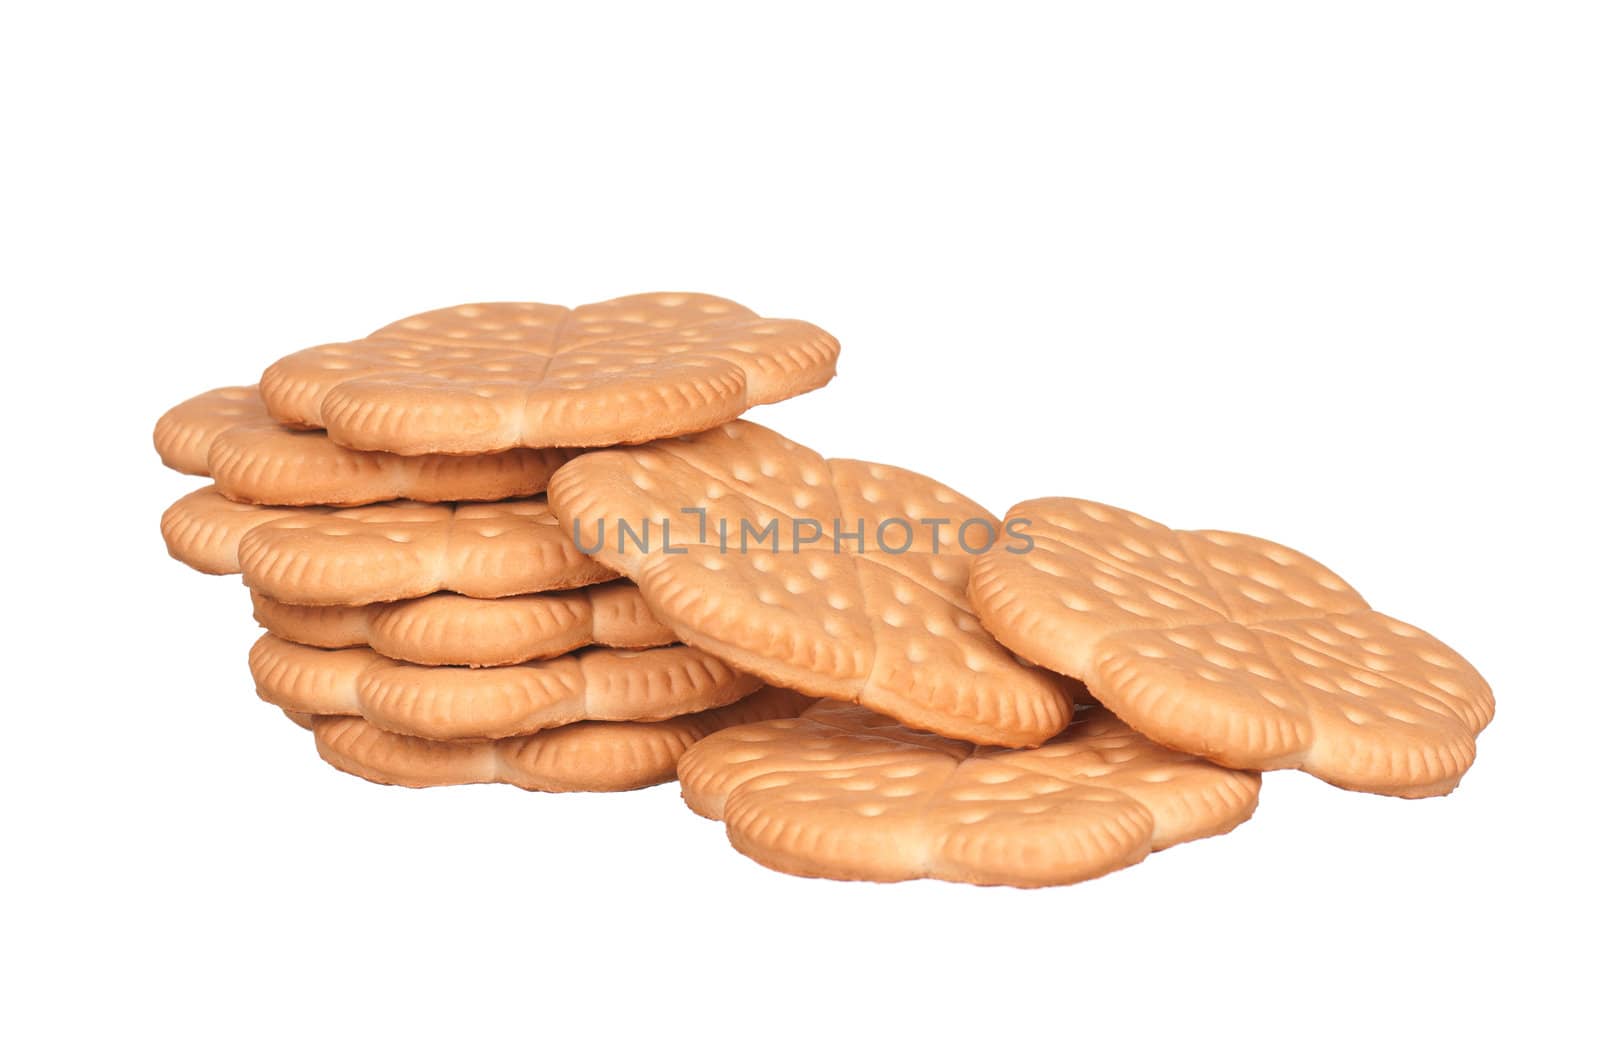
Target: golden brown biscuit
(447, 628)
(590, 757)
(1234, 648)
(487, 377)
(228, 435)
(396, 550)
(382, 552)
(203, 528)
(843, 793)
(449, 703)
(812, 608)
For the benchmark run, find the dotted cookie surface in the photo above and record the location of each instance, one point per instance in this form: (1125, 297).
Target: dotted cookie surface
(883, 623)
(1234, 648)
(840, 792)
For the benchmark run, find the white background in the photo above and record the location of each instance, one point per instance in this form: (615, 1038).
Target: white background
(1324, 273)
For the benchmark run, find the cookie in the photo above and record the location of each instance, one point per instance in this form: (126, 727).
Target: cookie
(518, 699)
(488, 377)
(841, 792)
(592, 757)
(203, 528)
(228, 435)
(447, 628)
(379, 553)
(1234, 648)
(881, 620)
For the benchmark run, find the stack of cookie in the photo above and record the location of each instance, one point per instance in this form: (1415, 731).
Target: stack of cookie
(902, 684)
(427, 618)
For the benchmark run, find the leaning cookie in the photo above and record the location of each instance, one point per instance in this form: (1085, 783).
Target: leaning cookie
(843, 793)
(854, 589)
(1233, 648)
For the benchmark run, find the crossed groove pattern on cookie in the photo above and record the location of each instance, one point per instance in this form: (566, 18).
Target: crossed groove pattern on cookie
(490, 376)
(1235, 648)
(853, 621)
(843, 793)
